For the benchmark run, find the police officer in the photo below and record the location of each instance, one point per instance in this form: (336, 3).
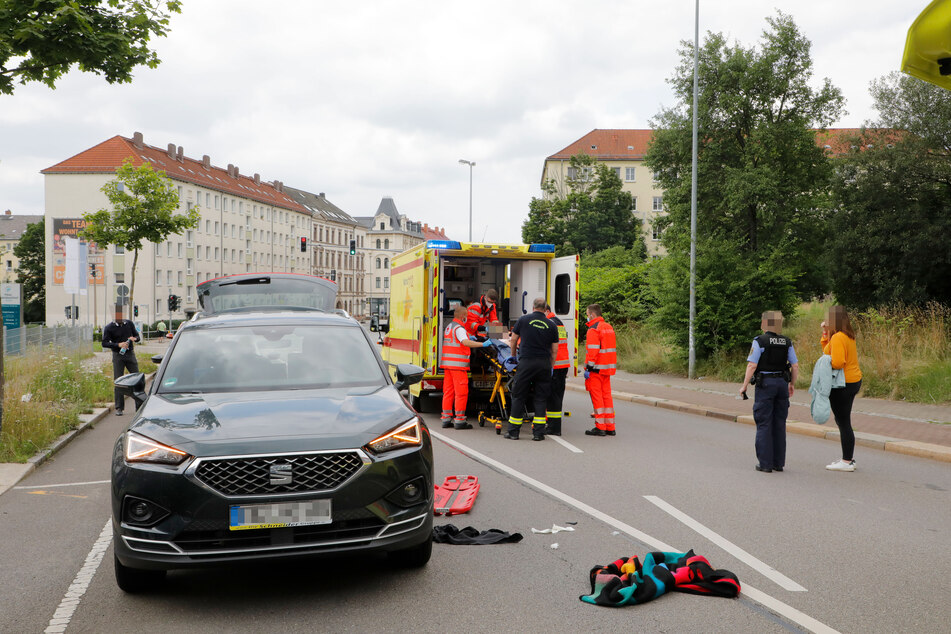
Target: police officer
(119, 336)
(535, 340)
(559, 376)
(773, 362)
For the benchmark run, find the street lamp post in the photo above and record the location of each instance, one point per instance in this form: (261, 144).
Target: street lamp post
(471, 164)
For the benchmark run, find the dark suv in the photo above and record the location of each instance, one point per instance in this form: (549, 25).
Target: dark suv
(268, 435)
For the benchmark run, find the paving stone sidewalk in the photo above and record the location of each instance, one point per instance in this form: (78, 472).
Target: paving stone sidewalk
(923, 429)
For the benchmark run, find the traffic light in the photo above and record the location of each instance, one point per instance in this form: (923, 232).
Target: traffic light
(69, 312)
(135, 311)
(173, 303)
(333, 275)
(353, 247)
(303, 244)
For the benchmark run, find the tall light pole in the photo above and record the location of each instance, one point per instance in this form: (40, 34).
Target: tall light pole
(471, 164)
(692, 353)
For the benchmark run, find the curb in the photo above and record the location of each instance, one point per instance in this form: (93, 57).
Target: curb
(912, 448)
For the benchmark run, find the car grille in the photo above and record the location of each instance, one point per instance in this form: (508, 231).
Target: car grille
(197, 542)
(253, 475)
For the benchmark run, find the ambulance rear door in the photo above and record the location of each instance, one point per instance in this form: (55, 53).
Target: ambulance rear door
(527, 280)
(564, 300)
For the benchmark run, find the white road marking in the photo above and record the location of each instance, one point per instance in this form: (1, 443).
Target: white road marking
(67, 484)
(770, 603)
(565, 443)
(80, 584)
(764, 569)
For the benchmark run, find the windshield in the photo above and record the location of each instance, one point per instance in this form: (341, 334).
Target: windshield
(276, 357)
(267, 291)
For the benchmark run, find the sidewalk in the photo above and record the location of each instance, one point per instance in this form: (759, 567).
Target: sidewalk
(910, 428)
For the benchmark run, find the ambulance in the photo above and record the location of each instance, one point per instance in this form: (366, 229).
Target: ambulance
(429, 280)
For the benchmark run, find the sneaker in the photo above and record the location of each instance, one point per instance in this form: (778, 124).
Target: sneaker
(119, 412)
(841, 465)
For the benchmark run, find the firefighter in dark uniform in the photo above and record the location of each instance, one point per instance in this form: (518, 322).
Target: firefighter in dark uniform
(773, 363)
(535, 341)
(559, 376)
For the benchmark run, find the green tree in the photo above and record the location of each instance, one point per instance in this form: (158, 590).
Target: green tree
(762, 184)
(892, 225)
(594, 215)
(31, 273)
(42, 39)
(143, 208)
(616, 278)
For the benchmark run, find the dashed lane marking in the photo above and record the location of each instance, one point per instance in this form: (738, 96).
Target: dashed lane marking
(564, 443)
(67, 607)
(761, 567)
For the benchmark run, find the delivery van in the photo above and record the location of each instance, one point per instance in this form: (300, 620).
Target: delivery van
(429, 280)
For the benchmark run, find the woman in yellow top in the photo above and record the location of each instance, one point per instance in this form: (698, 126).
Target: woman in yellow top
(838, 341)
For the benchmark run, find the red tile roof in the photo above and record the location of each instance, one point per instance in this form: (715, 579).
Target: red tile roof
(109, 155)
(608, 145)
(434, 233)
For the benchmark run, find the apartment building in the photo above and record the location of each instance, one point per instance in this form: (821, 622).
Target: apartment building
(623, 151)
(11, 230)
(388, 233)
(329, 249)
(247, 224)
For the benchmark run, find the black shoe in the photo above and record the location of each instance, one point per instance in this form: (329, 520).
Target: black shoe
(538, 436)
(512, 432)
(446, 424)
(553, 432)
(610, 432)
(594, 432)
(780, 469)
(763, 469)
(118, 412)
(462, 426)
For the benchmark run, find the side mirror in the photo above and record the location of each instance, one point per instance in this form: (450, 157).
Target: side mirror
(374, 323)
(157, 358)
(133, 385)
(408, 374)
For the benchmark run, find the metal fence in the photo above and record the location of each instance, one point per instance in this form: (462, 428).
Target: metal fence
(19, 341)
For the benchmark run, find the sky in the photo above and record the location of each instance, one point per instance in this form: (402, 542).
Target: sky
(377, 98)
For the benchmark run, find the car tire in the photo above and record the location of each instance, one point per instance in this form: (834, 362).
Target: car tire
(414, 557)
(135, 580)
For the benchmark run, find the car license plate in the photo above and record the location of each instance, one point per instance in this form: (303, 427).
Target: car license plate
(280, 515)
(484, 385)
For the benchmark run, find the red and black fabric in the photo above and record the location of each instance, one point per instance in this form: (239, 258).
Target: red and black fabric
(626, 581)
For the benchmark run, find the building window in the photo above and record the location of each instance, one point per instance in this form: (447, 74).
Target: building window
(655, 233)
(377, 243)
(658, 203)
(378, 282)
(386, 243)
(179, 278)
(386, 263)
(382, 227)
(120, 278)
(179, 249)
(633, 203)
(656, 176)
(629, 174)
(168, 278)
(386, 282)
(617, 171)
(158, 275)
(188, 238)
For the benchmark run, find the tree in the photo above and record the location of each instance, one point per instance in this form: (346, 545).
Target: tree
(616, 278)
(143, 206)
(762, 184)
(45, 38)
(594, 215)
(892, 225)
(31, 273)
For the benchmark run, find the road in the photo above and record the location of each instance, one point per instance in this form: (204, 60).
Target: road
(849, 552)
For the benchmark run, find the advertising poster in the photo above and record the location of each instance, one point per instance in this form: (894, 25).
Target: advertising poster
(69, 228)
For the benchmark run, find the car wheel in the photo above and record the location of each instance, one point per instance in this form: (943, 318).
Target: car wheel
(135, 580)
(414, 557)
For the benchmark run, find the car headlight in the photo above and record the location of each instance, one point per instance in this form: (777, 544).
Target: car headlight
(409, 434)
(141, 449)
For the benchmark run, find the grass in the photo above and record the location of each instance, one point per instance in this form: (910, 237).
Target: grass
(58, 388)
(904, 353)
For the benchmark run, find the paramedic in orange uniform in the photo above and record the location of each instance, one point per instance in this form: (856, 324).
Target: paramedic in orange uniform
(600, 364)
(482, 311)
(455, 365)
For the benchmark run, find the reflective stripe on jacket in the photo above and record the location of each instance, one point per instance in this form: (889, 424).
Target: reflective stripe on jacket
(601, 347)
(563, 360)
(477, 315)
(455, 356)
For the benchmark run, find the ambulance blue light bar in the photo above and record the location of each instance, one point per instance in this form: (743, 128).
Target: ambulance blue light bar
(443, 244)
(541, 248)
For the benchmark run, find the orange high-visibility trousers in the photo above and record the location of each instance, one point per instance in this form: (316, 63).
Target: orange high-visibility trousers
(455, 393)
(599, 387)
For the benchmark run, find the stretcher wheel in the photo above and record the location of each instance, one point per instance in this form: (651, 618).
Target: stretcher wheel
(498, 429)
(481, 419)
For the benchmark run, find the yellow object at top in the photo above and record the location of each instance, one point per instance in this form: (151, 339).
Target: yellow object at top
(928, 46)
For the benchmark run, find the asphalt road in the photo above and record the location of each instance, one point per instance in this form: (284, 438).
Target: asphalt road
(850, 552)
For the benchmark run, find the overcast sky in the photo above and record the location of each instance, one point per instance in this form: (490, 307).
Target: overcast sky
(377, 98)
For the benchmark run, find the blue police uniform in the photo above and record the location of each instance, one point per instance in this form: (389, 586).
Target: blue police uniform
(773, 354)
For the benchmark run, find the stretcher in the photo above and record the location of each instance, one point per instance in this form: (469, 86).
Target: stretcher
(503, 365)
(455, 495)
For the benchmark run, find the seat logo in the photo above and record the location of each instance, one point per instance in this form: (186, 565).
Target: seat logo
(281, 474)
